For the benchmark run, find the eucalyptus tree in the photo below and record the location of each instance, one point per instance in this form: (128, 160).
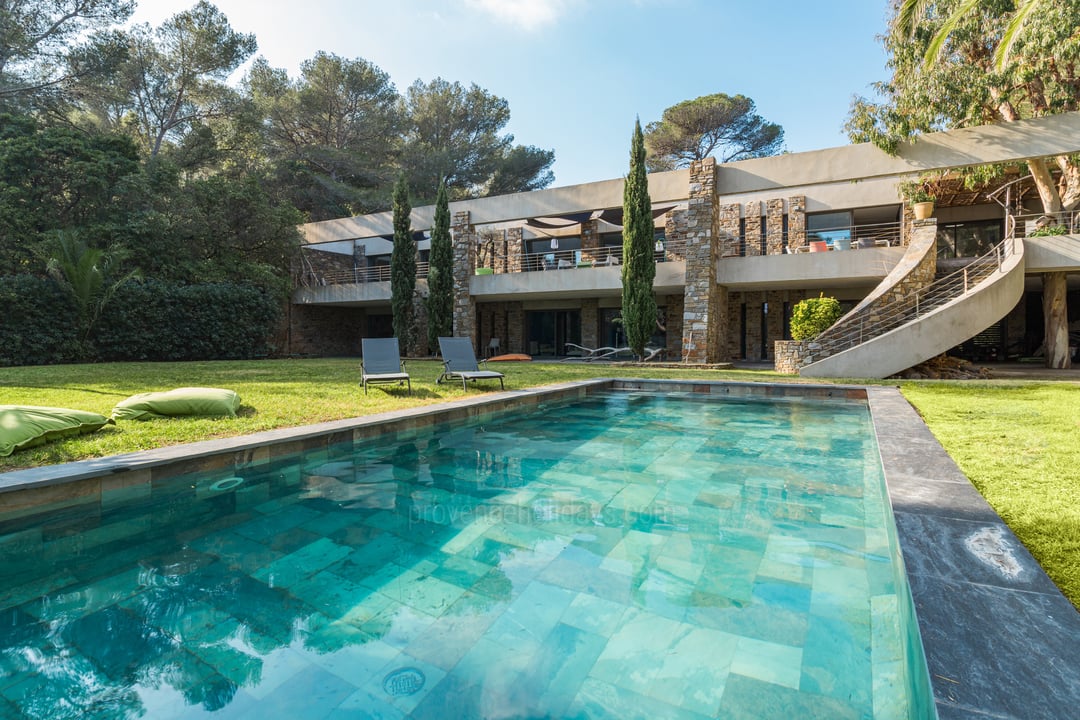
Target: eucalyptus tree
(718, 125)
(403, 267)
(333, 133)
(639, 265)
(957, 63)
(440, 301)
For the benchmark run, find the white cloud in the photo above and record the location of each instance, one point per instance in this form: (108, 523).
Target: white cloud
(527, 14)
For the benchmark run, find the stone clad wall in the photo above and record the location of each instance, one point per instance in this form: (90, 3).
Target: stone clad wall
(789, 356)
(730, 215)
(774, 227)
(515, 250)
(753, 228)
(796, 221)
(464, 239)
(702, 323)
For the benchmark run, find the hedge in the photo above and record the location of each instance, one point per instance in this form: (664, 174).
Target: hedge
(147, 320)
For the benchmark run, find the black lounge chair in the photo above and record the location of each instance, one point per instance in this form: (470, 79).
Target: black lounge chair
(459, 360)
(382, 363)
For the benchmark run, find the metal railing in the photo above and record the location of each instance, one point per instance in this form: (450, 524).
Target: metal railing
(878, 319)
(852, 237)
(605, 256)
(1066, 222)
(374, 273)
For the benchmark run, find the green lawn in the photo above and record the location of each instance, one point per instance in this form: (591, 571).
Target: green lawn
(1017, 442)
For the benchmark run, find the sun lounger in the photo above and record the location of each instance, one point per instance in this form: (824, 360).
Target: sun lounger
(382, 363)
(459, 360)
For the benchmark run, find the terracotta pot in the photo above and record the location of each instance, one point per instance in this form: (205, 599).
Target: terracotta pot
(922, 210)
(819, 246)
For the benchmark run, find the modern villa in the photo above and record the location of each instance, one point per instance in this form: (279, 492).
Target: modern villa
(737, 245)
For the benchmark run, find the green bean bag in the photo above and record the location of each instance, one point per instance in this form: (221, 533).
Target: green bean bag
(23, 426)
(181, 401)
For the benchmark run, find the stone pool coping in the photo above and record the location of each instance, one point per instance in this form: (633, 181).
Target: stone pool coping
(999, 637)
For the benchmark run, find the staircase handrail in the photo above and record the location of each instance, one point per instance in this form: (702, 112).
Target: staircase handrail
(899, 311)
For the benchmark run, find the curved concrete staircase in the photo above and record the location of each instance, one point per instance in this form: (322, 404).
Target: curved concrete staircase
(890, 332)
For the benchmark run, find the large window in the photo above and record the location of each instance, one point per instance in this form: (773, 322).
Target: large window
(829, 226)
(968, 239)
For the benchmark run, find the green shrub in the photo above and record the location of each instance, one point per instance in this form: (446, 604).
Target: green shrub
(810, 317)
(153, 320)
(1048, 231)
(39, 322)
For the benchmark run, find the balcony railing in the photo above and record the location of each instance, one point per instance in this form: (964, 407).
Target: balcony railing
(1042, 224)
(841, 237)
(374, 273)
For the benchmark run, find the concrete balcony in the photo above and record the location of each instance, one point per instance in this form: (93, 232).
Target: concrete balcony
(845, 268)
(571, 282)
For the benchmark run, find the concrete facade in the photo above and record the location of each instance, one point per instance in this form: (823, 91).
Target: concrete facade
(735, 249)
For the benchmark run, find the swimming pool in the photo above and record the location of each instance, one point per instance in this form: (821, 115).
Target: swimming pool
(630, 554)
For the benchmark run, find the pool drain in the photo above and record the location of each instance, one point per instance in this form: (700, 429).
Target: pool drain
(404, 681)
(227, 484)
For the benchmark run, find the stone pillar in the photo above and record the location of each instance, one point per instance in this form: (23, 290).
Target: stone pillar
(674, 307)
(730, 242)
(775, 329)
(420, 320)
(515, 250)
(464, 239)
(500, 326)
(754, 329)
(734, 336)
(753, 228)
(702, 322)
(515, 327)
(359, 254)
(774, 227)
(1055, 320)
(796, 221)
(675, 234)
(590, 241)
(590, 322)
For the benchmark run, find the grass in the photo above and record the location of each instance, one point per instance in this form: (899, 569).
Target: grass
(1016, 442)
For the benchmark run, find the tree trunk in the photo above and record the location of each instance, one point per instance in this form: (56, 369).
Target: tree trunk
(1055, 321)
(1044, 183)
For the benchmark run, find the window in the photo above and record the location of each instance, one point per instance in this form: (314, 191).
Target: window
(829, 226)
(969, 239)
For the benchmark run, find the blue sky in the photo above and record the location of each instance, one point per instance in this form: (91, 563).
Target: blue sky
(577, 72)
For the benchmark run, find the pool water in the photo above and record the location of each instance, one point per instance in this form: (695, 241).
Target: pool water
(628, 555)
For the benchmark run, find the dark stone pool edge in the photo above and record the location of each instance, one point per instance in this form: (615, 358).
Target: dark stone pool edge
(1001, 641)
(999, 638)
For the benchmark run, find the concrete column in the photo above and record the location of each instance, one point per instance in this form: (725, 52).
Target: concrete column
(774, 227)
(702, 320)
(464, 243)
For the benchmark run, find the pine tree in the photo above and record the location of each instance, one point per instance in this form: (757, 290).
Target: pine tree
(639, 267)
(403, 267)
(440, 302)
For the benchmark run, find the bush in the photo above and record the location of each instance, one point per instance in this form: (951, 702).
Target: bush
(810, 317)
(39, 322)
(1049, 231)
(153, 320)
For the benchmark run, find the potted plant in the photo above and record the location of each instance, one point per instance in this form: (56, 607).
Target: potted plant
(922, 201)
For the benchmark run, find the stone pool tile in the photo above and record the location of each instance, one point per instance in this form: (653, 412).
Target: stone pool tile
(769, 662)
(311, 693)
(267, 527)
(558, 669)
(594, 614)
(986, 648)
(600, 699)
(461, 571)
(446, 640)
(88, 598)
(662, 593)
(837, 661)
(746, 698)
(302, 563)
(966, 551)
(530, 617)
(237, 551)
(269, 670)
(949, 495)
(597, 581)
(320, 634)
(692, 673)
(630, 659)
(397, 625)
(334, 595)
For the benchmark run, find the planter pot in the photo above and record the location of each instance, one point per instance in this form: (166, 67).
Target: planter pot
(485, 271)
(819, 246)
(841, 244)
(922, 210)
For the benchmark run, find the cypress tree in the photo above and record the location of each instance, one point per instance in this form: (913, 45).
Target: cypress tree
(402, 267)
(639, 267)
(440, 302)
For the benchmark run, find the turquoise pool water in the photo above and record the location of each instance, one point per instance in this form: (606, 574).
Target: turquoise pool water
(629, 555)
